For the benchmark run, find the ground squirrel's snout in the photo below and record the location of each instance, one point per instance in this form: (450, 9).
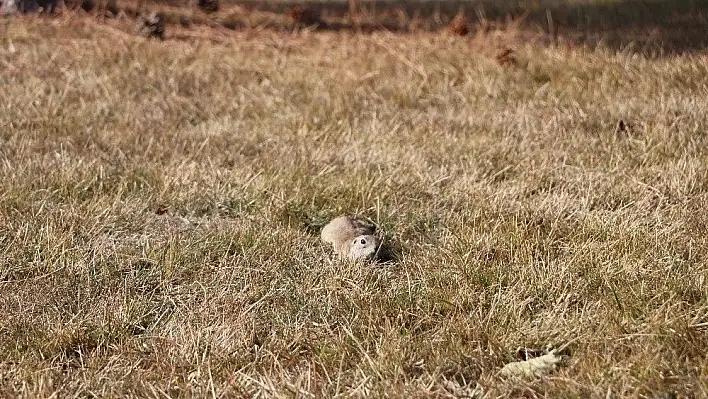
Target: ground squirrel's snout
(364, 247)
(366, 242)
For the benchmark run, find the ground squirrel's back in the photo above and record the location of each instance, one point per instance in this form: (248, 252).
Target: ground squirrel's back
(342, 230)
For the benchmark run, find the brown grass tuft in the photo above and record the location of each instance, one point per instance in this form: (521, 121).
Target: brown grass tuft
(505, 57)
(458, 25)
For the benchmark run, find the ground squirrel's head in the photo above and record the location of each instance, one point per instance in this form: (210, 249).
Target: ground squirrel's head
(364, 247)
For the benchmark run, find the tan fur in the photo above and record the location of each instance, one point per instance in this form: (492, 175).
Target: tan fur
(351, 238)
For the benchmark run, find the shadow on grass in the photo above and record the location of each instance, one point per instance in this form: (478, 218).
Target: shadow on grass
(650, 27)
(657, 27)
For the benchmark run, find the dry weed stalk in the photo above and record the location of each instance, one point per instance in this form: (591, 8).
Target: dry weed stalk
(354, 13)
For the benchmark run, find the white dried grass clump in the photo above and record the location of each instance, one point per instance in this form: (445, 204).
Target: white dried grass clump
(532, 368)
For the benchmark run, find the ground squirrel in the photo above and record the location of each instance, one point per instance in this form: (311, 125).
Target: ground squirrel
(351, 238)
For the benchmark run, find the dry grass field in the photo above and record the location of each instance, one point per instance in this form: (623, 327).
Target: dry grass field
(160, 203)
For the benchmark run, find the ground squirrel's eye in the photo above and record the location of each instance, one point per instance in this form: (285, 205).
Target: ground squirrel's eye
(363, 241)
